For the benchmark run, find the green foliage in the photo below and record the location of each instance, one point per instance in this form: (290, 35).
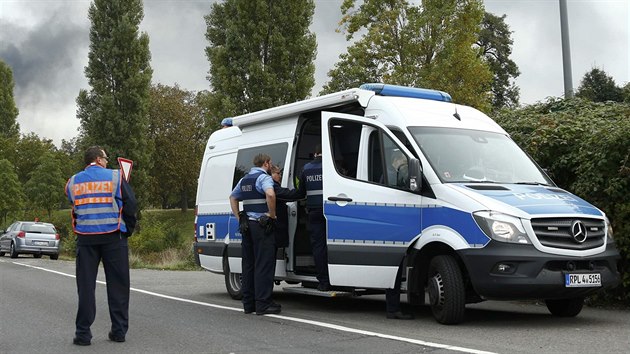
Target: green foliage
(585, 146)
(11, 191)
(261, 54)
(9, 127)
(113, 113)
(45, 188)
(178, 130)
(495, 42)
(598, 86)
(430, 45)
(28, 151)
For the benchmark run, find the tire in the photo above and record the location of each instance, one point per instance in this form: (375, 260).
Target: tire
(1, 254)
(12, 252)
(445, 285)
(565, 307)
(54, 257)
(232, 281)
(37, 255)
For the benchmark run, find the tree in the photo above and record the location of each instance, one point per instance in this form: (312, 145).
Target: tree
(29, 149)
(430, 45)
(177, 128)
(11, 193)
(9, 128)
(495, 41)
(45, 188)
(113, 113)
(597, 86)
(261, 54)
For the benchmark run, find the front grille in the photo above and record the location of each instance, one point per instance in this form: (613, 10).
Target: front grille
(556, 233)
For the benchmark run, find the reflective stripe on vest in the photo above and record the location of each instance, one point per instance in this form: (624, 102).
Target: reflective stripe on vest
(313, 184)
(253, 200)
(97, 199)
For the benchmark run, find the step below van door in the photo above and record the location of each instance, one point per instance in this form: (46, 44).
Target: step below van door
(371, 215)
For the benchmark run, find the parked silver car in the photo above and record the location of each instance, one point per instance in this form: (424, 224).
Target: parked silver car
(31, 237)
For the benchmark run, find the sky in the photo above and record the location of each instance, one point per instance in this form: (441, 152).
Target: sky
(46, 43)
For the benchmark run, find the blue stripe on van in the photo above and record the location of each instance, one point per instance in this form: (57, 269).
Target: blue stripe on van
(221, 225)
(392, 223)
(361, 222)
(460, 221)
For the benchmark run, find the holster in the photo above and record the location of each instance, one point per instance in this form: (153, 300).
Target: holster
(243, 223)
(268, 224)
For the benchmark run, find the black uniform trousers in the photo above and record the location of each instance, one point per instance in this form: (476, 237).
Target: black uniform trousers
(115, 259)
(258, 263)
(317, 232)
(392, 296)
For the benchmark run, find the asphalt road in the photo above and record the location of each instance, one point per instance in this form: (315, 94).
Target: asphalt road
(190, 312)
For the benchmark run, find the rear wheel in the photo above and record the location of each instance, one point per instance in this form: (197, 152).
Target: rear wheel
(12, 252)
(37, 255)
(1, 254)
(445, 285)
(565, 307)
(232, 281)
(54, 256)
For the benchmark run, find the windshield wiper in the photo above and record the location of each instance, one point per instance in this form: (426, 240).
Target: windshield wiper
(533, 183)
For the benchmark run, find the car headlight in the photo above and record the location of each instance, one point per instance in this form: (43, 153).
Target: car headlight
(501, 227)
(609, 232)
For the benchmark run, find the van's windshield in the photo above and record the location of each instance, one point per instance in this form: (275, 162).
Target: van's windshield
(469, 156)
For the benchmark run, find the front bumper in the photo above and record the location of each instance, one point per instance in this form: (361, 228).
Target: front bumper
(532, 274)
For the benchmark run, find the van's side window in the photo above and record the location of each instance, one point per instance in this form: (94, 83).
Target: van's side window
(245, 158)
(387, 165)
(345, 137)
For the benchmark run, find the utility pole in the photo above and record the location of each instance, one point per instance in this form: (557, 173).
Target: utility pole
(566, 50)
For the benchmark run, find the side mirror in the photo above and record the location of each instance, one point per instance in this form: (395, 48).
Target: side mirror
(415, 175)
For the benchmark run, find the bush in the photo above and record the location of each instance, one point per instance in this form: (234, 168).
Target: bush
(585, 147)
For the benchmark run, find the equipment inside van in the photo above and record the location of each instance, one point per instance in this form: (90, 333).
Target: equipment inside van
(410, 180)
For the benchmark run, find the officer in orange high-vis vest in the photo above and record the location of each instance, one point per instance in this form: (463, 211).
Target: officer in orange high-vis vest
(103, 216)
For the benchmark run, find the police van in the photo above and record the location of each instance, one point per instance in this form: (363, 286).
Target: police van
(475, 219)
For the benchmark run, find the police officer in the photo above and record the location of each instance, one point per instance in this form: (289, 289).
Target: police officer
(283, 195)
(103, 216)
(256, 192)
(311, 182)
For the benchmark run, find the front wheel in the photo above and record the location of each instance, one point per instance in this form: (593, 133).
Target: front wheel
(37, 255)
(54, 257)
(445, 285)
(232, 281)
(565, 307)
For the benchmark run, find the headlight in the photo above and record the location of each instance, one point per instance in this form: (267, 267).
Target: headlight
(501, 227)
(609, 232)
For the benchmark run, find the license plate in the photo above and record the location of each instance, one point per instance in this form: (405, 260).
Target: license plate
(40, 243)
(582, 280)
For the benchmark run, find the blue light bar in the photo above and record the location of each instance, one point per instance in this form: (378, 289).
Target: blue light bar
(403, 91)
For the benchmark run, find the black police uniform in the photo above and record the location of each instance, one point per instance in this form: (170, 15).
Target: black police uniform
(259, 248)
(311, 181)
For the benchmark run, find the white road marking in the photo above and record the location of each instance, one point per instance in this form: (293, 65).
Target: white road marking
(287, 318)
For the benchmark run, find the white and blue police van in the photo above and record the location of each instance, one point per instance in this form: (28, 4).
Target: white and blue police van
(475, 219)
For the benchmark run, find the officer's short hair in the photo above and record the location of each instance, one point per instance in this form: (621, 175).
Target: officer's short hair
(260, 159)
(92, 153)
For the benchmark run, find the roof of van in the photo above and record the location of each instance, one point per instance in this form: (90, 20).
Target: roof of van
(398, 105)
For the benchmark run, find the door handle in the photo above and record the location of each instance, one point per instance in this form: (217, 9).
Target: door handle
(339, 199)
